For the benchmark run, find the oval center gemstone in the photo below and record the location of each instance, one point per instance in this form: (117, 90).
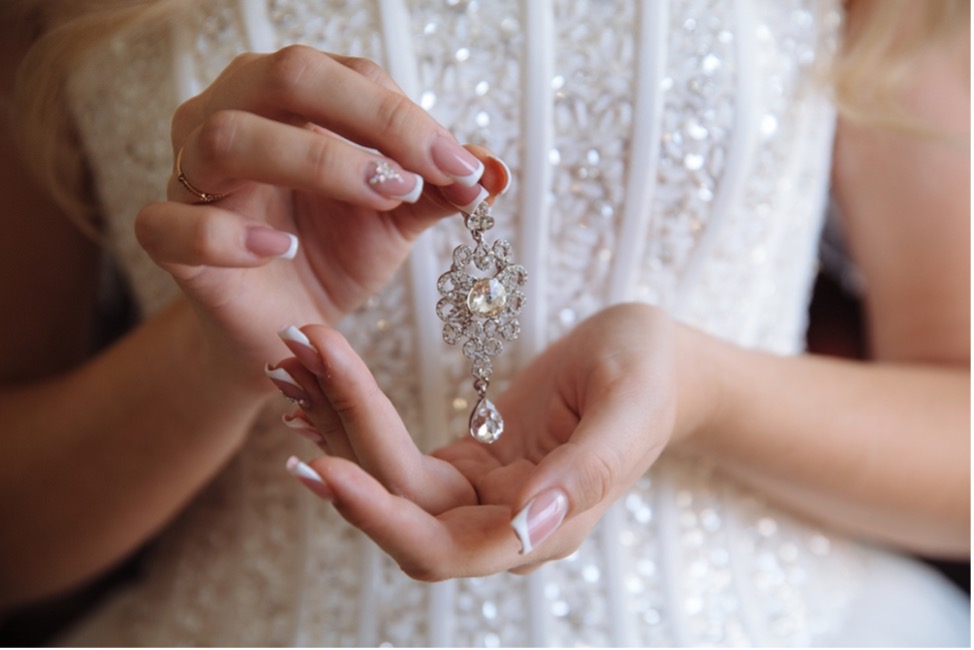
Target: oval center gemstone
(487, 297)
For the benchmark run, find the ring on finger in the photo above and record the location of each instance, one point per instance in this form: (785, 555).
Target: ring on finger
(204, 197)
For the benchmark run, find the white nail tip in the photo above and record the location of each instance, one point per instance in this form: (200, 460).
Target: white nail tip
(281, 374)
(520, 525)
(413, 195)
(302, 470)
(292, 250)
(472, 178)
(292, 333)
(481, 197)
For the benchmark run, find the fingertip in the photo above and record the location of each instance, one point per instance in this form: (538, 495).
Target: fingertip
(309, 477)
(498, 176)
(306, 352)
(465, 199)
(540, 518)
(292, 249)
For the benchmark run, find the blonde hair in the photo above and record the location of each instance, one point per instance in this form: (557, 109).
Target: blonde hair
(865, 75)
(65, 30)
(882, 44)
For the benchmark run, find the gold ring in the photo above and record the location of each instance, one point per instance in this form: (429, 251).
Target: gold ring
(204, 197)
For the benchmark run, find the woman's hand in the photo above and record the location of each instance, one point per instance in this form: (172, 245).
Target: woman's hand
(583, 422)
(305, 144)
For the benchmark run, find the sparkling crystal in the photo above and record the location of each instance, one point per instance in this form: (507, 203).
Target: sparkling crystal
(452, 334)
(472, 349)
(493, 347)
(482, 368)
(488, 297)
(486, 423)
(483, 257)
(462, 255)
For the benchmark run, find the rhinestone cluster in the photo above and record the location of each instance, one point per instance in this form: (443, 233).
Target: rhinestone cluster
(480, 311)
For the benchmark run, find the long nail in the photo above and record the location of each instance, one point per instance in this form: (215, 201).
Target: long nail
(310, 478)
(456, 162)
(287, 385)
(461, 197)
(303, 349)
(267, 242)
(392, 182)
(304, 428)
(540, 518)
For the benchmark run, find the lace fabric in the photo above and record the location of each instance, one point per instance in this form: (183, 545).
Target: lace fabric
(709, 140)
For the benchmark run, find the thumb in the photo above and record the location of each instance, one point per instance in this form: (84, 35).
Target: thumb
(608, 450)
(570, 480)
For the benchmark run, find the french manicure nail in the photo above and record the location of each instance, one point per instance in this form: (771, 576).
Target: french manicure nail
(460, 196)
(302, 427)
(303, 472)
(456, 162)
(267, 242)
(303, 349)
(540, 518)
(482, 196)
(508, 179)
(392, 182)
(287, 384)
(293, 334)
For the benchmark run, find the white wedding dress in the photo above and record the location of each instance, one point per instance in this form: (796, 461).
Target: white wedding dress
(669, 151)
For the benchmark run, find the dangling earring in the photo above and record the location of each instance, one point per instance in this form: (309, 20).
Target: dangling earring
(481, 312)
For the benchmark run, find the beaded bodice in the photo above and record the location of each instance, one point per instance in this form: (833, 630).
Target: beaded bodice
(669, 151)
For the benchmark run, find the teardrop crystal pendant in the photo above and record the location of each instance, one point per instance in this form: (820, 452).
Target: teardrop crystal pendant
(486, 423)
(479, 310)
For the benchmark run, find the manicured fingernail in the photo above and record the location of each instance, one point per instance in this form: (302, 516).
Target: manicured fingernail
(508, 179)
(303, 349)
(540, 518)
(393, 182)
(311, 479)
(287, 384)
(304, 428)
(456, 162)
(480, 198)
(461, 197)
(267, 242)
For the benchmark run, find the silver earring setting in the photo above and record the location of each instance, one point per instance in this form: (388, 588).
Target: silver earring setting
(480, 311)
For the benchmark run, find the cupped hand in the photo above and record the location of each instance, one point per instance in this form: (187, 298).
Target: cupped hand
(300, 146)
(583, 422)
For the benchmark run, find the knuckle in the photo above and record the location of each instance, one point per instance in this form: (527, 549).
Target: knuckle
(242, 60)
(322, 159)
(392, 114)
(204, 240)
(184, 118)
(598, 475)
(289, 66)
(367, 68)
(218, 135)
(360, 394)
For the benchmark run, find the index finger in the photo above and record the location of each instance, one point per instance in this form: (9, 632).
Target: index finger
(299, 81)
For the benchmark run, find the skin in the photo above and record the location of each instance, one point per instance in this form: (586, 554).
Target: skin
(898, 457)
(162, 410)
